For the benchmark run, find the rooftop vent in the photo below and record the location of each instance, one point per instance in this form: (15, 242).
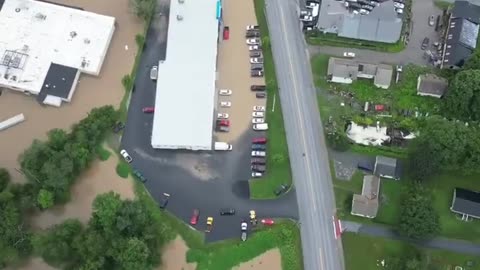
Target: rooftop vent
(181, 1)
(86, 41)
(179, 18)
(40, 16)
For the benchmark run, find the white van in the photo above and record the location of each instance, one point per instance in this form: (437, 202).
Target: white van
(262, 126)
(222, 146)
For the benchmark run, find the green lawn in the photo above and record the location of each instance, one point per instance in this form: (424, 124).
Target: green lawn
(442, 4)
(278, 161)
(328, 39)
(364, 252)
(103, 153)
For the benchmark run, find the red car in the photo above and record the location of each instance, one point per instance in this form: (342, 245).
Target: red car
(226, 33)
(268, 222)
(195, 216)
(148, 109)
(223, 122)
(259, 140)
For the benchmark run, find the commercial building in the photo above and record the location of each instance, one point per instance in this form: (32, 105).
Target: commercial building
(185, 95)
(45, 47)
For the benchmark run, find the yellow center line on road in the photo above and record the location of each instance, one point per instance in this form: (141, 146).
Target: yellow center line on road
(305, 148)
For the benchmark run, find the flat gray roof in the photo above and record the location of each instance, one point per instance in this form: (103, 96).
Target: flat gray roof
(184, 102)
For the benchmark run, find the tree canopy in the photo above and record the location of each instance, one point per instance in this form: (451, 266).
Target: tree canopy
(462, 100)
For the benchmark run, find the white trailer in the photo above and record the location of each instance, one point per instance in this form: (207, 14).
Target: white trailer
(12, 121)
(222, 146)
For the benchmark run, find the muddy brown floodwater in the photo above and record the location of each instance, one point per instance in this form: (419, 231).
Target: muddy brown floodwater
(91, 91)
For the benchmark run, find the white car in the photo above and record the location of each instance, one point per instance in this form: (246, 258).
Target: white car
(258, 108)
(306, 18)
(223, 115)
(254, 47)
(252, 27)
(259, 153)
(257, 174)
(226, 104)
(305, 12)
(399, 10)
(225, 92)
(258, 114)
(253, 41)
(349, 54)
(311, 5)
(126, 156)
(154, 73)
(258, 120)
(256, 60)
(398, 5)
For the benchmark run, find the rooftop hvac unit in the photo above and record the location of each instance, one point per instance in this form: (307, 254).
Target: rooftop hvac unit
(179, 18)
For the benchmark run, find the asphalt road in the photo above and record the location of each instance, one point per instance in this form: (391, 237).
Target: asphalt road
(207, 181)
(307, 149)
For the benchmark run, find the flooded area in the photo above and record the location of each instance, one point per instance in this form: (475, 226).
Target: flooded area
(271, 260)
(91, 91)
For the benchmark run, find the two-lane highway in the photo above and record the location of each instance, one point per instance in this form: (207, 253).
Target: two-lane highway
(307, 149)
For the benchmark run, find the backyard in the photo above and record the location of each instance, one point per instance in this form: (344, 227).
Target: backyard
(365, 252)
(278, 161)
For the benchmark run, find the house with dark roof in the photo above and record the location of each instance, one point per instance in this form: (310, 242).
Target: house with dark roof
(431, 85)
(461, 35)
(387, 167)
(341, 70)
(466, 203)
(367, 203)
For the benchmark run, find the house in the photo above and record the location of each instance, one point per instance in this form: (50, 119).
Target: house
(431, 85)
(342, 70)
(466, 203)
(461, 35)
(387, 167)
(383, 77)
(382, 24)
(366, 204)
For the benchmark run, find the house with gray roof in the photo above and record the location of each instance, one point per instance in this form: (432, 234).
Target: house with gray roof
(462, 33)
(431, 85)
(387, 167)
(383, 78)
(367, 203)
(466, 203)
(341, 70)
(382, 24)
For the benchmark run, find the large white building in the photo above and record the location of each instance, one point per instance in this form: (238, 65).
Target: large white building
(185, 95)
(44, 47)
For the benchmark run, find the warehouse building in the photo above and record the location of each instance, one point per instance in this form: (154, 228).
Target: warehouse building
(185, 94)
(45, 47)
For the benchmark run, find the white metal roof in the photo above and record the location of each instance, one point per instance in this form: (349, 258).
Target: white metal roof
(39, 33)
(185, 94)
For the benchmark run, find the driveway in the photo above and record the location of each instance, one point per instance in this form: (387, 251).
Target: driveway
(412, 54)
(204, 180)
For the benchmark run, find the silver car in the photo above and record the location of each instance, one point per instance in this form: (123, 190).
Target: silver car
(154, 73)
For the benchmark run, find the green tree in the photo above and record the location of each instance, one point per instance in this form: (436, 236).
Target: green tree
(422, 160)
(45, 199)
(338, 141)
(132, 254)
(4, 178)
(462, 100)
(473, 62)
(418, 219)
(106, 208)
(143, 9)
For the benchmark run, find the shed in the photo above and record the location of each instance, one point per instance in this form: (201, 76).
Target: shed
(383, 78)
(387, 167)
(431, 85)
(466, 203)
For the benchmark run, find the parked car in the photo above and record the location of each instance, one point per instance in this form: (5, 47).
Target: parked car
(225, 92)
(311, 5)
(306, 18)
(126, 156)
(226, 33)
(267, 221)
(256, 73)
(253, 41)
(259, 153)
(257, 174)
(164, 200)
(258, 114)
(256, 60)
(257, 87)
(425, 43)
(252, 27)
(399, 68)
(223, 129)
(225, 104)
(258, 168)
(227, 211)
(139, 175)
(349, 54)
(260, 127)
(305, 12)
(256, 54)
(252, 34)
(118, 127)
(148, 109)
(223, 122)
(431, 20)
(365, 166)
(258, 108)
(255, 47)
(195, 216)
(222, 116)
(261, 95)
(399, 10)
(399, 5)
(259, 140)
(260, 147)
(258, 120)
(259, 161)
(281, 189)
(256, 67)
(154, 73)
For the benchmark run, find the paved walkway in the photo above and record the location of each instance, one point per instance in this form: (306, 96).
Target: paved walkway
(454, 245)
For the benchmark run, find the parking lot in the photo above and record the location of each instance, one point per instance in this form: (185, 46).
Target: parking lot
(234, 72)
